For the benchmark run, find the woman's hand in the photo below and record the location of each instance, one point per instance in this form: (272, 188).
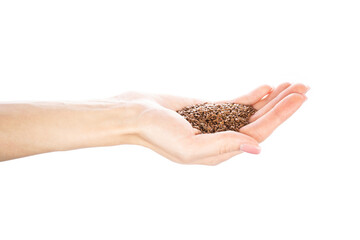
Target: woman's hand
(145, 119)
(163, 130)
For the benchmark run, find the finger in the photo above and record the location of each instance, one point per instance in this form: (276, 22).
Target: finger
(295, 88)
(215, 160)
(216, 144)
(252, 97)
(272, 95)
(264, 126)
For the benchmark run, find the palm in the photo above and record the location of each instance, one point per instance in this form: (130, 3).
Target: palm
(169, 134)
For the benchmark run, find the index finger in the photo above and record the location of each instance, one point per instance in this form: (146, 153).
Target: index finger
(252, 97)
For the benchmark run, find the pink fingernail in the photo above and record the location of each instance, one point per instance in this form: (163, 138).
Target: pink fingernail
(250, 148)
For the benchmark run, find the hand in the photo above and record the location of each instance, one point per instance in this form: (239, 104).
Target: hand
(169, 134)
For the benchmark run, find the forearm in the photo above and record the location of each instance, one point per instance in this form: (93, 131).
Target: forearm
(39, 127)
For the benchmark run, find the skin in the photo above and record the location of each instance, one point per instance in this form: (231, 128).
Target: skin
(149, 120)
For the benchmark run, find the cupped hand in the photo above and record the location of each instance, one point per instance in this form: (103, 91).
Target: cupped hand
(166, 132)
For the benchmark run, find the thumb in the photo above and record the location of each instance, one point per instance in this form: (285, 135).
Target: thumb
(219, 143)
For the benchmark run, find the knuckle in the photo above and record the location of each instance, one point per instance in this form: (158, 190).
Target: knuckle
(130, 95)
(186, 157)
(293, 97)
(266, 87)
(299, 87)
(244, 99)
(224, 148)
(285, 85)
(212, 162)
(279, 115)
(257, 135)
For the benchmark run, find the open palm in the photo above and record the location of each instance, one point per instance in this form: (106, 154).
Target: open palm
(169, 134)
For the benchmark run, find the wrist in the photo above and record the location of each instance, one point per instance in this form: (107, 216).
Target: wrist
(113, 123)
(89, 124)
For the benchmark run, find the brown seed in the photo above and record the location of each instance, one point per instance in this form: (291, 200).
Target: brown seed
(213, 117)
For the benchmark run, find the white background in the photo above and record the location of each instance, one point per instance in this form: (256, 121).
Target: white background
(305, 183)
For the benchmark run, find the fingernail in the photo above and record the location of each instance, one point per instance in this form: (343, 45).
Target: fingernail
(250, 148)
(308, 88)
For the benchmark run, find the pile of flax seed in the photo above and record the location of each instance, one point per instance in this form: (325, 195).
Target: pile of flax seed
(217, 117)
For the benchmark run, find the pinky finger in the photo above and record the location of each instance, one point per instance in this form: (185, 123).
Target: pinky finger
(215, 160)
